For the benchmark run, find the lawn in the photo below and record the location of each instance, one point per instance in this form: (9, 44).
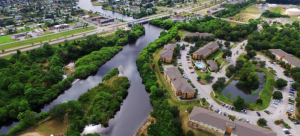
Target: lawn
(182, 32)
(279, 10)
(249, 13)
(215, 55)
(266, 93)
(293, 18)
(202, 75)
(6, 39)
(173, 100)
(45, 38)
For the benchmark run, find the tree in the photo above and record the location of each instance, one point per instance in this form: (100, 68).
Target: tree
(277, 95)
(262, 122)
(208, 78)
(251, 53)
(259, 101)
(132, 37)
(239, 103)
(203, 100)
(198, 78)
(58, 111)
(286, 73)
(177, 38)
(281, 83)
(190, 133)
(296, 85)
(27, 117)
(227, 44)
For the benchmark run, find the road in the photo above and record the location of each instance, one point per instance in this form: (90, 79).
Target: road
(99, 30)
(205, 90)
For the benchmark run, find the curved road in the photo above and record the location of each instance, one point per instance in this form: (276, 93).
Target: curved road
(278, 113)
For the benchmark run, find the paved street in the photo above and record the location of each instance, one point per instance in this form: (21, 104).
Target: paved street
(278, 113)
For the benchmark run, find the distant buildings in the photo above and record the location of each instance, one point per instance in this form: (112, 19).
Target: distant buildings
(178, 18)
(167, 53)
(287, 58)
(101, 19)
(220, 125)
(179, 85)
(206, 50)
(197, 34)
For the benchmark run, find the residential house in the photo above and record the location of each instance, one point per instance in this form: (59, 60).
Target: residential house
(179, 85)
(213, 66)
(18, 17)
(206, 50)
(220, 125)
(178, 18)
(48, 20)
(167, 53)
(287, 58)
(198, 34)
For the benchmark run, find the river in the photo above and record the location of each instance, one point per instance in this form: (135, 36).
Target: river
(136, 106)
(87, 5)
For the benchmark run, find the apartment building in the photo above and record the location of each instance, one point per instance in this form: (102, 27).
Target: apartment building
(167, 54)
(220, 125)
(179, 85)
(287, 58)
(206, 50)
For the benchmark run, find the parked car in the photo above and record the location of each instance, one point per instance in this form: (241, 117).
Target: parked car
(192, 72)
(232, 108)
(258, 114)
(291, 103)
(211, 106)
(296, 122)
(223, 104)
(245, 111)
(292, 92)
(220, 112)
(217, 111)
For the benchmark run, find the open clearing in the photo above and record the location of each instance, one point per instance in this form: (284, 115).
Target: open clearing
(53, 126)
(249, 13)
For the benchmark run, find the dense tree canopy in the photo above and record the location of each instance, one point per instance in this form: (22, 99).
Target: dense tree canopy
(233, 9)
(277, 95)
(221, 29)
(30, 80)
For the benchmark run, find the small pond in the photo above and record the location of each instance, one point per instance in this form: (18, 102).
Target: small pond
(236, 89)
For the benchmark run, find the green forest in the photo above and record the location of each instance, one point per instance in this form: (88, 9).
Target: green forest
(30, 80)
(233, 9)
(221, 29)
(271, 37)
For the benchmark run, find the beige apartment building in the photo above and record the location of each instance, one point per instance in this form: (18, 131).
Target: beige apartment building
(206, 50)
(167, 54)
(179, 85)
(287, 58)
(220, 125)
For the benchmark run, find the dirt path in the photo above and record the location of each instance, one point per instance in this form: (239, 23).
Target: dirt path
(31, 134)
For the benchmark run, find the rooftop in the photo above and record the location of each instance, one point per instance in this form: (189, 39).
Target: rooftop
(220, 121)
(288, 57)
(212, 65)
(168, 51)
(207, 48)
(178, 82)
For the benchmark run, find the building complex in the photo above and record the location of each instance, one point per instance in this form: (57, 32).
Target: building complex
(206, 50)
(287, 58)
(167, 53)
(179, 85)
(221, 125)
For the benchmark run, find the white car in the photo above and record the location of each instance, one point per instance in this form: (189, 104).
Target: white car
(274, 106)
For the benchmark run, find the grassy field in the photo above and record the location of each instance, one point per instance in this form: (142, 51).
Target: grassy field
(279, 10)
(6, 39)
(53, 126)
(249, 13)
(173, 100)
(182, 32)
(45, 38)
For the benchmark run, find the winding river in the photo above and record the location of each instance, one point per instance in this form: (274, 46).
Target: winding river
(136, 107)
